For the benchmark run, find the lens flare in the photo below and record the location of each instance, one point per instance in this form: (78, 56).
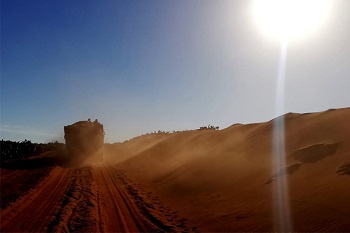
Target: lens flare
(290, 19)
(282, 218)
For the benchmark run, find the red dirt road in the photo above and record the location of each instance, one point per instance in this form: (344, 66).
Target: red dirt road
(90, 199)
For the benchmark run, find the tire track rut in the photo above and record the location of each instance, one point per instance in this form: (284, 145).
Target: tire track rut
(76, 211)
(88, 199)
(34, 211)
(115, 206)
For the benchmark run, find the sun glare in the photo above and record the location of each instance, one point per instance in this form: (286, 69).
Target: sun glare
(291, 19)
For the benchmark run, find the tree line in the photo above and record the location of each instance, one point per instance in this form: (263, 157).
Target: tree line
(211, 127)
(11, 150)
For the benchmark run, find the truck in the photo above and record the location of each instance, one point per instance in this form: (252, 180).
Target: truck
(84, 141)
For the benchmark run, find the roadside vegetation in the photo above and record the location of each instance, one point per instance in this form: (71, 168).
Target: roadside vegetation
(11, 150)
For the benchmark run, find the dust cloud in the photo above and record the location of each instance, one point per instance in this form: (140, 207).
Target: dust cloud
(222, 180)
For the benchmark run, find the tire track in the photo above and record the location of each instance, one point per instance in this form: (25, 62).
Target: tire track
(132, 208)
(89, 199)
(162, 218)
(34, 211)
(10, 175)
(114, 209)
(76, 212)
(18, 183)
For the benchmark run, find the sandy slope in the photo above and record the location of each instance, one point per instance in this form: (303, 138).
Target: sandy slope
(215, 180)
(223, 180)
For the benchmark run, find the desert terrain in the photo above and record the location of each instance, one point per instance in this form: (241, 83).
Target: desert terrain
(190, 181)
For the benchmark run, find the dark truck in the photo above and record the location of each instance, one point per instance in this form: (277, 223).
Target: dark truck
(84, 141)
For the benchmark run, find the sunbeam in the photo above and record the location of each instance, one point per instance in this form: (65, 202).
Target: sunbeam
(282, 219)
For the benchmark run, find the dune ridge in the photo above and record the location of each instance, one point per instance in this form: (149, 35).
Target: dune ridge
(219, 180)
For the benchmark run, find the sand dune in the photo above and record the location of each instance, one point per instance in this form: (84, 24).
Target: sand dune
(222, 180)
(198, 180)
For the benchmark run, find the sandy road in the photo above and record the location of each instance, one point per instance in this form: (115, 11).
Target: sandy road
(90, 199)
(34, 211)
(120, 212)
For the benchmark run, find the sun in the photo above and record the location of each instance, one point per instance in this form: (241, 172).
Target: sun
(287, 20)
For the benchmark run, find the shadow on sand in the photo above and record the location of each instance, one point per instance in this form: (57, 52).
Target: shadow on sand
(53, 159)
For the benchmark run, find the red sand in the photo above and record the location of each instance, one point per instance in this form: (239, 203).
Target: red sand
(221, 180)
(213, 180)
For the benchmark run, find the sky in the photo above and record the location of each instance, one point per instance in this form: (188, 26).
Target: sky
(142, 66)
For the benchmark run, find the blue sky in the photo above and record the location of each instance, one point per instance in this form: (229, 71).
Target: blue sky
(140, 66)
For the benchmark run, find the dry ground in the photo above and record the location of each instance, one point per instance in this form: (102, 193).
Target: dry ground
(86, 199)
(214, 180)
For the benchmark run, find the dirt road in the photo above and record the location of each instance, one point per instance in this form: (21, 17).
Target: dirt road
(90, 199)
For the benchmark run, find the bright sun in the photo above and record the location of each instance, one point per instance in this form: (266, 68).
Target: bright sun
(290, 19)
